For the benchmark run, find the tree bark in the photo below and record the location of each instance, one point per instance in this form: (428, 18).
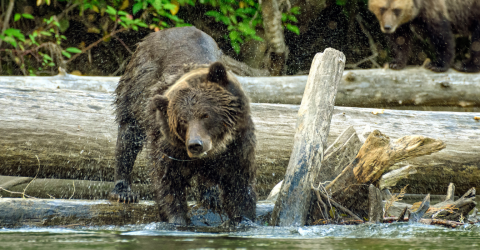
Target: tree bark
(272, 24)
(73, 133)
(310, 141)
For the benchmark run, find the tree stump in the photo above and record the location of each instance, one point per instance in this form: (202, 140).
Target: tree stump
(350, 188)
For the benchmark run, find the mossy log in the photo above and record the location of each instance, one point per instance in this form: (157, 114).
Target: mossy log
(358, 88)
(73, 134)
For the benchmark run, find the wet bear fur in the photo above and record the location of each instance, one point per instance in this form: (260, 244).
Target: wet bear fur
(177, 97)
(438, 20)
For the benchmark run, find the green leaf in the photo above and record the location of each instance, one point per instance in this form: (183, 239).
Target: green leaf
(284, 17)
(255, 37)
(137, 7)
(295, 10)
(235, 46)
(122, 13)
(292, 18)
(169, 6)
(16, 33)
(332, 212)
(134, 27)
(142, 24)
(246, 29)
(51, 64)
(341, 2)
(293, 28)
(66, 54)
(47, 57)
(45, 33)
(10, 40)
(27, 16)
(32, 38)
(110, 10)
(73, 50)
(213, 13)
(234, 35)
(17, 17)
(157, 4)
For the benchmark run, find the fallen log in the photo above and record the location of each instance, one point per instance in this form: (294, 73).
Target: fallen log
(73, 134)
(15, 212)
(358, 88)
(310, 141)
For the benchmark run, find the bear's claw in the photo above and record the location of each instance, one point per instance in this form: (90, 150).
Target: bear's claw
(123, 193)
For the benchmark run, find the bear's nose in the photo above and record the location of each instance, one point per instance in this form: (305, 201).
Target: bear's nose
(387, 28)
(195, 146)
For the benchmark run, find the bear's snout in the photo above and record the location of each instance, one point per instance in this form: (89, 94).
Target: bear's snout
(195, 146)
(198, 142)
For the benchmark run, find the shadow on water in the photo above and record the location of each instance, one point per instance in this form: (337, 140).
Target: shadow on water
(161, 236)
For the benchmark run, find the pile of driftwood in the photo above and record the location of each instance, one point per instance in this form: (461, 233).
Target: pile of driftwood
(322, 185)
(61, 141)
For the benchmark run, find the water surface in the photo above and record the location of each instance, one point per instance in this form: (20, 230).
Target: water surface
(161, 236)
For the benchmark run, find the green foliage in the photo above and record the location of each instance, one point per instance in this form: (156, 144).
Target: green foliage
(240, 17)
(289, 18)
(32, 47)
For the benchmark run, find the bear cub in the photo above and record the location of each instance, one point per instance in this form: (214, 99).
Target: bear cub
(179, 100)
(438, 20)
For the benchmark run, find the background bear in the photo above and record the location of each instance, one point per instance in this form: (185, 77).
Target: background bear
(196, 121)
(438, 20)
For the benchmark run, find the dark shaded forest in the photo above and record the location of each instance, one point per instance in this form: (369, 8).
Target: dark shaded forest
(97, 37)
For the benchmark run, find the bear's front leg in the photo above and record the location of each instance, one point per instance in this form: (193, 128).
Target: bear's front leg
(400, 44)
(441, 36)
(239, 200)
(129, 143)
(472, 64)
(169, 186)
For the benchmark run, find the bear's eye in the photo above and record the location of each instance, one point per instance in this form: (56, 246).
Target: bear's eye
(205, 116)
(397, 12)
(382, 10)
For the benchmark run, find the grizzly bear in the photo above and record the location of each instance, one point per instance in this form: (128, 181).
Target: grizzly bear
(195, 119)
(436, 19)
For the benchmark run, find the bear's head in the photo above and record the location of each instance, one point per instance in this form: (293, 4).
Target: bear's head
(393, 13)
(201, 111)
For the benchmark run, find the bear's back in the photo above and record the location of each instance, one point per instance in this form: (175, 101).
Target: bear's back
(158, 62)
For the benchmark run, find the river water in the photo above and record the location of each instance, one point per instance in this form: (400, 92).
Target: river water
(160, 236)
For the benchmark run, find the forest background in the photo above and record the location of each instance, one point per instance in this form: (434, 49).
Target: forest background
(279, 37)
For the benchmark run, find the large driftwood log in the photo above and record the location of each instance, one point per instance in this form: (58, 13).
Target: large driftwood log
(73, 134)
(310, 141)
(15, 212)
(377, 154)
(358, 88)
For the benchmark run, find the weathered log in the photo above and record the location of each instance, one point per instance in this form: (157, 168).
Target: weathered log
(377, 154)
(418, 212)
(15, 212)
(63, 188)
(391, 178)
(375, 204)
(358, 88)
(73, 134)
(453, 210)
(310, 141)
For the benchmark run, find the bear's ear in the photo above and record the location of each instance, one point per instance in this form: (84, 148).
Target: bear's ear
(160, 102)
(217, 73)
